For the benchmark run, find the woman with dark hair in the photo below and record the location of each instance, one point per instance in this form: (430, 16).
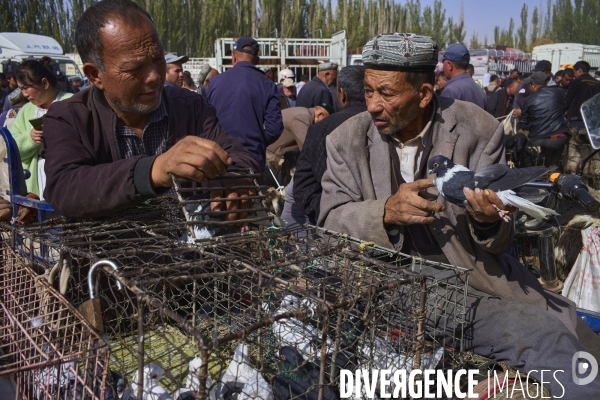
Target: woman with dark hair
(37, 81)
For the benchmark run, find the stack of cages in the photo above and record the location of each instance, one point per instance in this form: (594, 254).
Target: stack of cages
(261, 314)
(47, 348)
(191, 310)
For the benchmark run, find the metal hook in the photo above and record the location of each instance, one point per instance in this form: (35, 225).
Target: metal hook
(108, 263)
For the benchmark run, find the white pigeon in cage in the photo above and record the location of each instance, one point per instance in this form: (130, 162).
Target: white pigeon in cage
(243, 378)
(151, 390)
(192, 383)
(384, 357)
(293, 332)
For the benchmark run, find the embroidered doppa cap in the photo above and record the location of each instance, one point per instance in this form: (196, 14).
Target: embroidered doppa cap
(203, 73)
(327, 66)
(16, 97)
(401, 52)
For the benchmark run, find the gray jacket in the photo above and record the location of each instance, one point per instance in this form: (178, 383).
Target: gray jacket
(356, 187)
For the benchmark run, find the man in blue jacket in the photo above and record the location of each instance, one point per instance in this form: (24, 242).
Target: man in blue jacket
(247, 101)
(460, 85)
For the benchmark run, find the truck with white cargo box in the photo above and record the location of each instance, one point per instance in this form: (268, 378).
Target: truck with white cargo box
(300, 55)
(17, 47)
(565, 55)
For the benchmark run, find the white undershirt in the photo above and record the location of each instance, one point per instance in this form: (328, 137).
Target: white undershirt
(411, 152)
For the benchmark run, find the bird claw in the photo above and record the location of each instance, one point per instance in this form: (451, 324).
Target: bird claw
(504, 215)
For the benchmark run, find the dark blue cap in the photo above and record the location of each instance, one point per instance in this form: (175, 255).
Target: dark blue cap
(457, 52)
(244, 41)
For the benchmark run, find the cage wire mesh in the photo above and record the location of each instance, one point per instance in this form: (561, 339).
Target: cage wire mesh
(261, 314)
(47, 347)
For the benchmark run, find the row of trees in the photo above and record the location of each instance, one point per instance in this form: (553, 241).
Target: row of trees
(570, 21)
(191, 26)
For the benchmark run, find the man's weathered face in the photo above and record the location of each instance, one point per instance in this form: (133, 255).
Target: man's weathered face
(566, 79)
(134, 67)
(392, 101)
(12, 83)
(290, 91)
(511, 90)
(330, 77)
(175, 74)
(577, 72)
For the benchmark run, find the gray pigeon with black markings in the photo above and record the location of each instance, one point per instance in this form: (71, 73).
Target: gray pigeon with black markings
(452, 178)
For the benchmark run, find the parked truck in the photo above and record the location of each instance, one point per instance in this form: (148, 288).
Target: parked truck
(565, 55)
(300, 55)
(18, 47)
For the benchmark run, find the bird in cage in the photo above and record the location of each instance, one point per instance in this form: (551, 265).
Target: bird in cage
(241, 381)
(199, 210)
(452, 178)
(192, 383)
(381, 354)
(292, 332)
(56, 378)
(151, 390)
(297, 378)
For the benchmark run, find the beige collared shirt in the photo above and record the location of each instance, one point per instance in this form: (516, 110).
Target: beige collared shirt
(411, 152)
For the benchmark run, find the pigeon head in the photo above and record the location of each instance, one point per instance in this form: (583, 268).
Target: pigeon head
(439, 165)
(291, 363)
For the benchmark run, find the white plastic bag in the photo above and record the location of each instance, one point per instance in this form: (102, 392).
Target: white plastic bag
(583, 283)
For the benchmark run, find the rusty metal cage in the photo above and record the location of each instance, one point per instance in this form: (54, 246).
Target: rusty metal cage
(298, 305)
(47, 347)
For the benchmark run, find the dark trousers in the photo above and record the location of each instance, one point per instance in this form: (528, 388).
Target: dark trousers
(528, 338)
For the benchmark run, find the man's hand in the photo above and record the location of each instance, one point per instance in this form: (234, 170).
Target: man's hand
(407, 207)
(192, 158)
(238, 204)
(517, 112)
(482, 205)
(5, 210)
(36, 136)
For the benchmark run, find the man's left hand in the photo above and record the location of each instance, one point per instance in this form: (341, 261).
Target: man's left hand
(238, 204)
(482, 205)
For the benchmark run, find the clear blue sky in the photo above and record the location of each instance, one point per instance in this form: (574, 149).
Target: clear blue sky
(482, 16)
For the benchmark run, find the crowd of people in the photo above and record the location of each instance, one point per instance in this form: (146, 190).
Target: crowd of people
(364, 136)
(546, 107)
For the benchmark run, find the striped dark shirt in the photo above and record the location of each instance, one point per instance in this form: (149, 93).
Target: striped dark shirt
(154, 136)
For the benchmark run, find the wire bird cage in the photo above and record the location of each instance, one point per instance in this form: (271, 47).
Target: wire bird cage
(47, 347)
(295, 306)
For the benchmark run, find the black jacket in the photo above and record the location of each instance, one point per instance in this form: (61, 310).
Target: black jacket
(312, 162)
(85, 175)
(314, 93)
(580, 89)
(542, 113)
(496, 103)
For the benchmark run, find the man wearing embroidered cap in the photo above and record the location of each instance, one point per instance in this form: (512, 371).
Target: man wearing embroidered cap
(460, 84)
(247, 101)
(317, 90)
(377, 188)
(174, 76)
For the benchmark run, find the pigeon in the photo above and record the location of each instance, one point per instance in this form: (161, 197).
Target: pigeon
(241, 380)
(298, 379)
(382, 355)
(293, 332)
(452, 178)
(192, 383)
(151, 389)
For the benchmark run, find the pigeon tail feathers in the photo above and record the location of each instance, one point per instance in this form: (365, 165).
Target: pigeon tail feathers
(509, 198)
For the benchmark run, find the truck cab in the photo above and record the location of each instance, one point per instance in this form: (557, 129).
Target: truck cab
(18, 47)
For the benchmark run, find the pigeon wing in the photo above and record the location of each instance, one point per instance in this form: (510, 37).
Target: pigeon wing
(512, 178)
(483, 178)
